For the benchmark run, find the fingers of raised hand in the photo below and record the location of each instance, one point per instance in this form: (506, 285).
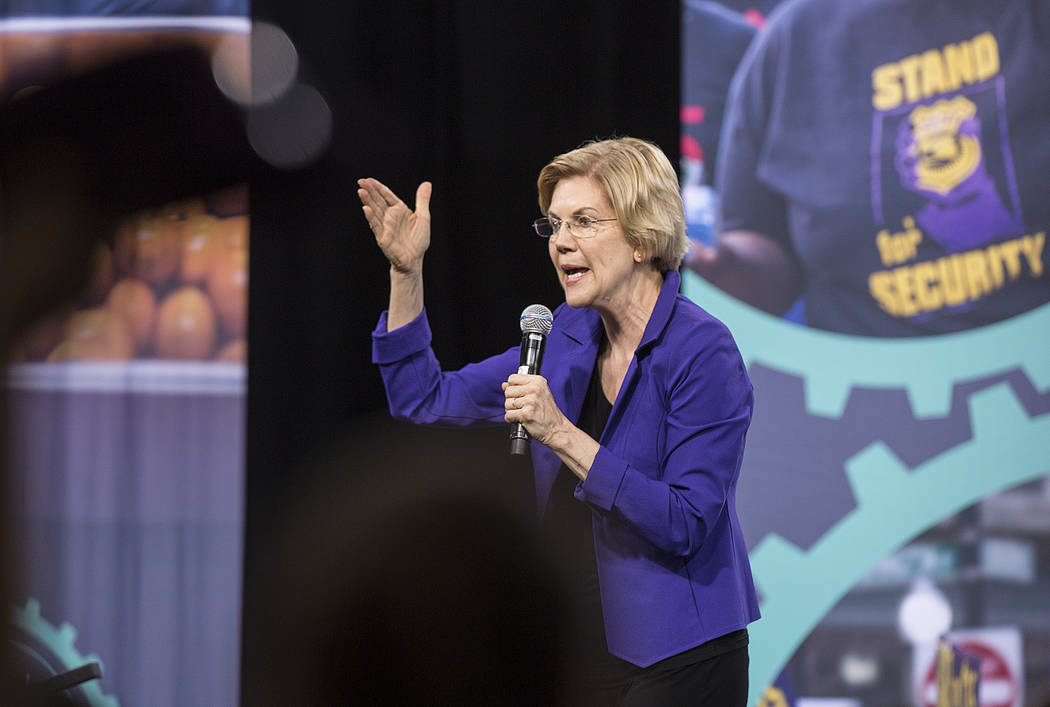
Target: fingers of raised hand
(374, 222)
(376, 196)
(423, 199)
(373, 211)
(378, 191)
(383, 192)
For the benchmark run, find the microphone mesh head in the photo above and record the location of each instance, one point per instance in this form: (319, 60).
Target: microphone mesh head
(537, 318)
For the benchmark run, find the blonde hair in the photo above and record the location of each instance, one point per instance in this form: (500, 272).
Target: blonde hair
(642, 186)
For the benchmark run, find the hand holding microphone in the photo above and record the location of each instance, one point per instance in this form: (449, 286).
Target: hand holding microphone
(525, 395)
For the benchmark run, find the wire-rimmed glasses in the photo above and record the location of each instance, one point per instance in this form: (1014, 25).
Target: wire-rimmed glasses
(582, 227)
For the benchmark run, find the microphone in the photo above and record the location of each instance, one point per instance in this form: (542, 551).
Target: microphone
(536, 323)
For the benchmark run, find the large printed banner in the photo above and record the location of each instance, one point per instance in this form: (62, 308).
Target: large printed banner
(895, 484)
(127, 408)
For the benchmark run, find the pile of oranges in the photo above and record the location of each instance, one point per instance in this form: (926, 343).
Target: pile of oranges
(174, 285)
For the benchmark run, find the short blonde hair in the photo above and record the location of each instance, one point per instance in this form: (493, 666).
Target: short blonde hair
(642, 186)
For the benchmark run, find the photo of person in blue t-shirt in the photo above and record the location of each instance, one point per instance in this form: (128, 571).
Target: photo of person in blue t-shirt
(888, 162)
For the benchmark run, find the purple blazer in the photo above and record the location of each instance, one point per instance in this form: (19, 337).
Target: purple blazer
(672, 563)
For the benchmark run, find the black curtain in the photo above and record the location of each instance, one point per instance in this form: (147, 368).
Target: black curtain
(476, 97)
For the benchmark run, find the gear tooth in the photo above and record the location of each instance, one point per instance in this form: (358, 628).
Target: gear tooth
(776, 557)
(826, 395)
(29, 615)
(874, 474)
(1036, 366)
(67, 634)
(995, 412)
(930, 397)
(61, 643)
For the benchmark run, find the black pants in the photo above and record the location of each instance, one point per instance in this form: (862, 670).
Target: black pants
(719, 681)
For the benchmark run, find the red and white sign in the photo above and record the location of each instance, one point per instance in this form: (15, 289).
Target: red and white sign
(1002, 667)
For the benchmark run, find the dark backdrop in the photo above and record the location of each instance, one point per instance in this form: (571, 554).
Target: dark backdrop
(476, 97)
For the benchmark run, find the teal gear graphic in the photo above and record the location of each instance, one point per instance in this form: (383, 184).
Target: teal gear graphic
(1007, 448)
(51, 650)
(831, 365)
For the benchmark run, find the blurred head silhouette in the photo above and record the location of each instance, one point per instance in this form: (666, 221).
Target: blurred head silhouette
(413, 578)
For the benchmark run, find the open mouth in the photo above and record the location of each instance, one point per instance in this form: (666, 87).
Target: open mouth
(574, 274)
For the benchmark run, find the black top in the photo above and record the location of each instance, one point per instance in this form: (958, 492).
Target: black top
(567, 522)
(567, 529)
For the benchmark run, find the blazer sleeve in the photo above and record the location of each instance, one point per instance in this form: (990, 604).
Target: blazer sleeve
(419, 391)
(708, 413)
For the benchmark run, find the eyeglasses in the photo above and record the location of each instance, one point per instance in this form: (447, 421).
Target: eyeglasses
(583, 227)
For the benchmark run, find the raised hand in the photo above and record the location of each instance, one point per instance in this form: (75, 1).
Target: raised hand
(402, 234)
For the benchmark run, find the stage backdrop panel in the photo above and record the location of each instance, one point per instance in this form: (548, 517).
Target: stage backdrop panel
(893, 489)
(127, 408)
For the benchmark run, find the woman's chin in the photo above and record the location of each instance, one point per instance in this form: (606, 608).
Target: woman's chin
(575, 300)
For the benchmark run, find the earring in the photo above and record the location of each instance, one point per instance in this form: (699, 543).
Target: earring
(637, 256)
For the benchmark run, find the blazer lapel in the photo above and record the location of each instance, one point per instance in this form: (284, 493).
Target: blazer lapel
(577, 349)
(653, 329)
(567, 366)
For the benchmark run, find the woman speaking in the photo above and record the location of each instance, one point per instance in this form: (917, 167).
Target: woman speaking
(637, 426)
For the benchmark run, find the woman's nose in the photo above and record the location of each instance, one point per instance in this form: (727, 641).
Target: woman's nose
(563, 241)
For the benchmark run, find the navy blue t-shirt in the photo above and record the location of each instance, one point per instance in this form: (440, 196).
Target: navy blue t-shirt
(901, 150)
(714, 40)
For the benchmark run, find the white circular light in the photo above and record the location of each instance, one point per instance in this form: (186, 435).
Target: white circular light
(292, 131)
(858, 670)
(256, 69)
(231, 67)
(924, 614)
(275, 63)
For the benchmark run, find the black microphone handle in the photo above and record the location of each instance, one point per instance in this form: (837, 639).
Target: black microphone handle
(519, 445)
(530, 362)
